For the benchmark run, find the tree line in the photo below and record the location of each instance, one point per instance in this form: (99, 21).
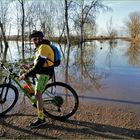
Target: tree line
(61, 18)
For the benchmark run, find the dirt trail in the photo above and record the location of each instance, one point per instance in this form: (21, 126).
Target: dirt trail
(92, 120)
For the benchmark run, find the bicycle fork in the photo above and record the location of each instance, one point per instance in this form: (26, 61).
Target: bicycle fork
(3, 93)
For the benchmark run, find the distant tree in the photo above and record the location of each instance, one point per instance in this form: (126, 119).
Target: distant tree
(30, 20)
(3, 24)
(89, 27)
(85, 14)
(17, 23)
(133, 24)
(22, 5)
(111, 31)
(45, 14)
(67, 4)
(5, 41)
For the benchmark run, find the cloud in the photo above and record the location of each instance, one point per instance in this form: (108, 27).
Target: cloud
(114, 3)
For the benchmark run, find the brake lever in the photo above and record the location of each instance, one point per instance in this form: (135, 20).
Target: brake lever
(2, 65)
(11, 69)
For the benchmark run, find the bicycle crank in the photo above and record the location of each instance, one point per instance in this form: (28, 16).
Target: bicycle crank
(58, 100)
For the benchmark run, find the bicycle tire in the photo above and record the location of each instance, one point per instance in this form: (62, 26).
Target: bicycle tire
(11, 99)
(69, 101)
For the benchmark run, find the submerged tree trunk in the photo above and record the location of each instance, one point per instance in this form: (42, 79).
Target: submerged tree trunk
(81, 48)
(22, 26)
(1, 47)
(5, 42)
(17, 41)
(68, 41)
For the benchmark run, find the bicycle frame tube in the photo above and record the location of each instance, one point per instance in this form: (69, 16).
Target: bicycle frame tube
(33, 101)
(14, 77)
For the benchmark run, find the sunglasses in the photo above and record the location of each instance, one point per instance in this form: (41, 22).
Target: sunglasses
(35, 39)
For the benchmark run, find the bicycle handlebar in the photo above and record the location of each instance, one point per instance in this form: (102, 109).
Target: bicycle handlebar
(14, 74)
(3, 66)
(9, 70)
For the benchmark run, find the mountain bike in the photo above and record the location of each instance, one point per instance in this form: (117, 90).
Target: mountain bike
(60, 100)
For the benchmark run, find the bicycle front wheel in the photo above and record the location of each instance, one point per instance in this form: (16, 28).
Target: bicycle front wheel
(60, 101)
(8, 98)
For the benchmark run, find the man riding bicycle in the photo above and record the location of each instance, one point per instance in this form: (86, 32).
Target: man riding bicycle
(43, 69)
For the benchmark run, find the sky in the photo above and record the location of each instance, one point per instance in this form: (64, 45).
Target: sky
(120, 12)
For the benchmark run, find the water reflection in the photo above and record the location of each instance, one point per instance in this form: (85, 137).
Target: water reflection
(133, 53)
(85, 64)
(112, 46)
(123, 77)
(96, 58)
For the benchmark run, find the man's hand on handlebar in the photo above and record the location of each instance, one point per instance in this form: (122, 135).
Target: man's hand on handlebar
(26, 66)
(22, 77)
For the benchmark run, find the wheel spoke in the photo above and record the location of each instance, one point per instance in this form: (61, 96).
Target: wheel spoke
(64, 102)
(9, 97)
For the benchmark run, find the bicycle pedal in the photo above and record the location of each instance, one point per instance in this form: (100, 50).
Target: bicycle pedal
(32, 94)
(34, 105)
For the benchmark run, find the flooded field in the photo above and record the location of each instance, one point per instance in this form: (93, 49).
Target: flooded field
(112, 72)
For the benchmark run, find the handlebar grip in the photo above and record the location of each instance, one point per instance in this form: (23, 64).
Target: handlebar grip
(11, 69)
(15, 75)
(2, 64)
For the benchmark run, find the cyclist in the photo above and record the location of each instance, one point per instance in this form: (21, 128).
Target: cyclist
(43, 69)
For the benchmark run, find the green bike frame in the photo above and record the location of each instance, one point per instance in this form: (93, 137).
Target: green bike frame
(16, 80)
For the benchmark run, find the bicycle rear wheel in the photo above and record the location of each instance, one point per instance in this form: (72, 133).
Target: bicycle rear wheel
(8, 98)
(60, 101)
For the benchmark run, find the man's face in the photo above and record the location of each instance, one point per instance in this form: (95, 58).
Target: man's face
(36, 40)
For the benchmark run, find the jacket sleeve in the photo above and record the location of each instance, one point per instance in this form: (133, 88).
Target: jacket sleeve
(35, 68)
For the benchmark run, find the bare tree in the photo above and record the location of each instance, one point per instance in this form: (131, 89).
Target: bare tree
(59, 25)
(16, 23)
(67, 37)
(5, 42)
(1, 45)
(133, 24)
(22, 4)
(30, 20)
(111, 31)
(45, 12)
(3, 23)
(31, 17)
(86, 13)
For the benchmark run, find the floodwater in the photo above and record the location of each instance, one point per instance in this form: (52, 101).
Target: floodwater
(120, 65)
(117, 66)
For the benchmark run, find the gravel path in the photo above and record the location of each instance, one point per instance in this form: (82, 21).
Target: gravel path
(92, 120)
